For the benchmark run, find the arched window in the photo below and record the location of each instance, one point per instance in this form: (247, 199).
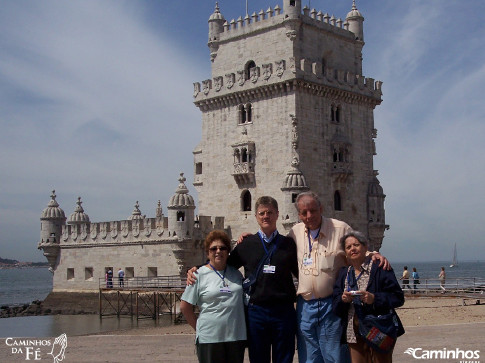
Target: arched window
(237, 156)
(337, 114)
(246, 201)
(242, 114)
(337, 201)
(249, 66)
(180, 216)
(248, 112)
(323, 66)
(244, 157)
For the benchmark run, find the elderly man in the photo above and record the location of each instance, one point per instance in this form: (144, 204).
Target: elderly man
(320, 257)
(271, 312)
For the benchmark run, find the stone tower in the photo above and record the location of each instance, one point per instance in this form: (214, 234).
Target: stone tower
(287, 109)
(51, 221)
(181, 212)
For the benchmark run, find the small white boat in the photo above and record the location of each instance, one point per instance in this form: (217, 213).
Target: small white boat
(454, 262)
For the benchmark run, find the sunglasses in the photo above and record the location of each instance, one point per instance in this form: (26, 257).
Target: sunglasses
(215, 248)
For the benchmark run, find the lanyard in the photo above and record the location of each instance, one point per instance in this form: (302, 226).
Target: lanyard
(353, 283)
(269, 241)
(217, 272)
(309, 240)
(273, 248)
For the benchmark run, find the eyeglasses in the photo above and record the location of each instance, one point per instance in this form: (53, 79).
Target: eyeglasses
(215, 248)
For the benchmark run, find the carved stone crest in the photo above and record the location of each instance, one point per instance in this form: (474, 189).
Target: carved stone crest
(94, 231)
(292, 64)
(148, 226)
(218, 83)
(103, 230)
(267, 70)
(254, 74)
(124, 228)
(84, 231)
(240, 77)
(136, 227)
(114, 229)
(206, 86)
(230, 79)
(159, 227)
(65, 233)
(280, 67)
(196, 89)
(74, 232)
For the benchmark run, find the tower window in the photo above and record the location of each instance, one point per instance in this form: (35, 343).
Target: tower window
(292, 2)
(335, 113)
(198, 168)
(249, 66)
(70, 274)
(180, 216)
(245, 113)
(337, 201)
(244, 158)
(246, 201)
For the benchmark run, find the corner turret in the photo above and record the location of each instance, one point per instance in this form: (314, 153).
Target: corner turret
(376, 214)
(51, 221)
(356, 22)
(216, 27)
(181, 211)
(292, 8)
(78, 217)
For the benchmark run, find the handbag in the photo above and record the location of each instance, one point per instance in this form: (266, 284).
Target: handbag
(248, 283)
(379, 331)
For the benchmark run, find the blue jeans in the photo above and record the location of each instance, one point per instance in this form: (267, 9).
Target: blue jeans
(271, 332)
(319, 332)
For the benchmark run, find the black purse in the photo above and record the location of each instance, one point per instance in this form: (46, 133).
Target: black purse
(379, 331)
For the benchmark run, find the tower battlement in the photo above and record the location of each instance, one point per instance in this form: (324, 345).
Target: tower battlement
(282, 71)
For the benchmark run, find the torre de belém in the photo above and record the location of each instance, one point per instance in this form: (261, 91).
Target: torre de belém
(286, 110)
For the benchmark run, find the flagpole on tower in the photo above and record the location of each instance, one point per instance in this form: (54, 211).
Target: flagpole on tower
(247, 7)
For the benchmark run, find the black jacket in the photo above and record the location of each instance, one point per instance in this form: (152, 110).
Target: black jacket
(269, 289)
(387, 294)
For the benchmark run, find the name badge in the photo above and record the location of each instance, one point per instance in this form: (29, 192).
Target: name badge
(269, 269)
(307, 261)
(226, 290)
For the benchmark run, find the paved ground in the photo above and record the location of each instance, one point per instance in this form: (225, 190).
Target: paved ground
(180, 348)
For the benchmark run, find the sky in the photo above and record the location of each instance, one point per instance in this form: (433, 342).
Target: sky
(96, 101)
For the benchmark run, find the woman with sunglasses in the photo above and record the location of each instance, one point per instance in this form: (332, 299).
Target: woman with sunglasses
(221, 326)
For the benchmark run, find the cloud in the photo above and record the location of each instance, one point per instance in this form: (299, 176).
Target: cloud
(92, 102)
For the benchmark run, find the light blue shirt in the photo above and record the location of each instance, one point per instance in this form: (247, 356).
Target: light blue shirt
(221, 317)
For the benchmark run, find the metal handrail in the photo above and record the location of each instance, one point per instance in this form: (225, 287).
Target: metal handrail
(144, 282)
(456, 286)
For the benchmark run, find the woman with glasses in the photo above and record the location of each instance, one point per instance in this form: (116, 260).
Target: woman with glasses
(221, 326)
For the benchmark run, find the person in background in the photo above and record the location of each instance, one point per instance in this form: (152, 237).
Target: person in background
(109, 278)
(405, 278)
(442, 277)
(121, 277)
(374, 289)
(221, 325)
(415, 277)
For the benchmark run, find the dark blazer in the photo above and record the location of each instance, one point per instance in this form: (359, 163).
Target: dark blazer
(387, 294)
